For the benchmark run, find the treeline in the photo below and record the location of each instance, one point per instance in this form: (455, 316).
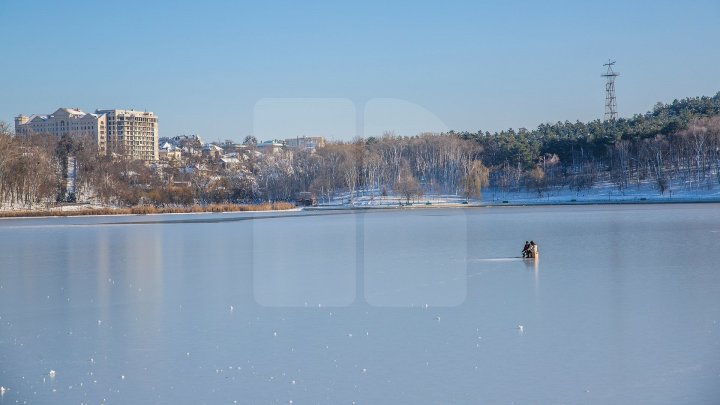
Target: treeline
(677, 142)
(28, 169)
(581, 141)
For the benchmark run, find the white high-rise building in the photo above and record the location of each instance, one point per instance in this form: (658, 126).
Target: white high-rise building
(65, 121)
(125, 132)
(132, 133)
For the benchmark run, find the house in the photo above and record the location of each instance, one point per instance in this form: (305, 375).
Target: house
(212, 151)
(271, 147)
(169, 151)
(305, 142)
(229, 162)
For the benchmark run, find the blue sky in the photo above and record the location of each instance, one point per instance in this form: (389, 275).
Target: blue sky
(215, 68)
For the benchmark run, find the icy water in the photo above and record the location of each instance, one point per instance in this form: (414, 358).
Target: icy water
(419, 306)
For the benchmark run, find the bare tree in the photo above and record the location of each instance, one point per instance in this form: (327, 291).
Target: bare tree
(406, 185)
(620, 164)
(372, 166)
(537, 181)
(476, 179)
(350, 173)
(653, 151)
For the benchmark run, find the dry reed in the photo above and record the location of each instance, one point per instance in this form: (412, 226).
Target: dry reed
(150, 209)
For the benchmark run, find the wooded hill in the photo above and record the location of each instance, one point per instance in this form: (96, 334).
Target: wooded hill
(674, 144)
(676, 141)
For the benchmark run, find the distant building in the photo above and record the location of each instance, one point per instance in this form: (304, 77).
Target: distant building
(169, 151)
(132, 133)
(213, 151)
(126, 132)
(188, 144)
(305, 142)
(229, 162)
(66, 121)
(274, 146)
(187, 140)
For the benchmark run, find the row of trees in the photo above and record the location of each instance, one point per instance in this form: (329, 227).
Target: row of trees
(674, 142)
(28, 169)
(578, 142)
(406, 166)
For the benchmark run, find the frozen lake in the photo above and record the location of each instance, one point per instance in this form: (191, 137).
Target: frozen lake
(419, 306)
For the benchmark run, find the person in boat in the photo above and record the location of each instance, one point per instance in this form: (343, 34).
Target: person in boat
(526, 250)
(533, 249)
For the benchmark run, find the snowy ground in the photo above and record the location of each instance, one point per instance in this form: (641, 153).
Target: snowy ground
(605, 193)
(601, 193)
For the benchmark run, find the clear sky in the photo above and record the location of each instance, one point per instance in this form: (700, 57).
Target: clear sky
(221, 68)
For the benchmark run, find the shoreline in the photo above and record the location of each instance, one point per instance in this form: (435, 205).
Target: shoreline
(643, 201)
(126, 212)
(145, 211)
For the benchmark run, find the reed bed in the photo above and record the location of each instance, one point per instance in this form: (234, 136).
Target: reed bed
(150, 209)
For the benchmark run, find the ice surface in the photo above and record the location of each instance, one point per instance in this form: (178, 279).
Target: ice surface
(373, 307)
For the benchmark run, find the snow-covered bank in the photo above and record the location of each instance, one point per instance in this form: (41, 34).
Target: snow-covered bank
(607, 193)
(516, 203)
(601, 194)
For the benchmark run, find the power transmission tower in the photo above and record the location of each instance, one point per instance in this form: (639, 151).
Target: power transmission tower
(610, 102)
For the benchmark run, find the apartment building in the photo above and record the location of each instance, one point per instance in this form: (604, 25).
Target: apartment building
(125, 132)
(132, 133)
(305, 142)
(66, 121)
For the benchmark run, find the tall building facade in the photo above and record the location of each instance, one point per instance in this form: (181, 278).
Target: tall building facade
(132, 133)
(125, 132)
(66, 121)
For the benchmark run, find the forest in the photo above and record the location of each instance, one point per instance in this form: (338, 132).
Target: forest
(676, 143)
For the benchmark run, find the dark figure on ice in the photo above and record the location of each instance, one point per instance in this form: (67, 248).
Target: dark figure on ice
(530, 251)
(533, 250)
